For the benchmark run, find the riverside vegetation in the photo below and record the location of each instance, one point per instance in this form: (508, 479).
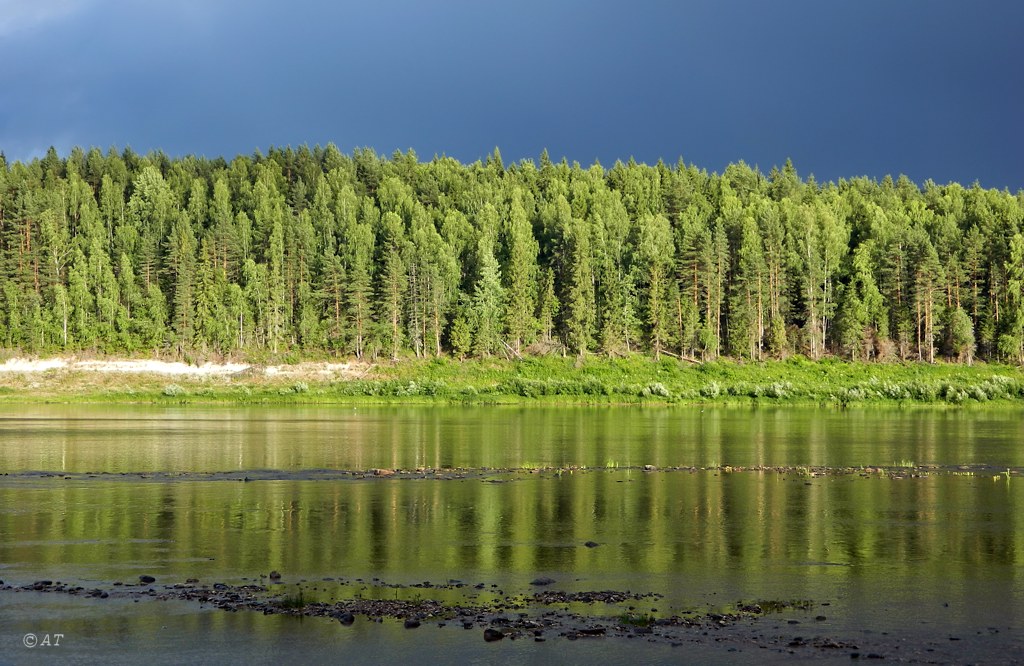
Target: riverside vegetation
(309, 252)
(549, 380)
(546, 281)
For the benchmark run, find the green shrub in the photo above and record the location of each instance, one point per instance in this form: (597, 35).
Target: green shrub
(658, 389)
(710, 390)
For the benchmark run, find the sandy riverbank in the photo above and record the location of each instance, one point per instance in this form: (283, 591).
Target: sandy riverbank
(178, 369)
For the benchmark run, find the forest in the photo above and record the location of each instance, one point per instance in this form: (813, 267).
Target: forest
(313, 253)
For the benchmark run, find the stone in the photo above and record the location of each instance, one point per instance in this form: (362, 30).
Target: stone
(543, 580)
(146, 579)
(491, 635)
(411, 623)
(591, 544)
(346, 619)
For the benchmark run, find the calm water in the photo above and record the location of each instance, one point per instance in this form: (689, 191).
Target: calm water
(933, 555)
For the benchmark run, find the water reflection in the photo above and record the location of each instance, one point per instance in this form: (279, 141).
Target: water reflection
(140, 439)
(868, 544)
(750, 534)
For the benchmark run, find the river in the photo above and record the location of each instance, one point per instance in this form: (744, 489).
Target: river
(707, 507)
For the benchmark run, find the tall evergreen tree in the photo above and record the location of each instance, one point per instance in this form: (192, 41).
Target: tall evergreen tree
(654, 262)
(487, 305)
(393, 283)
(520, 274)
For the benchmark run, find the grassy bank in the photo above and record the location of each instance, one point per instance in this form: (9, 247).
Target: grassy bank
(543, 380)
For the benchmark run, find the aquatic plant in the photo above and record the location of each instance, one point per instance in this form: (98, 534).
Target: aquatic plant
(778, 606)
(292, 601)
(636, 619)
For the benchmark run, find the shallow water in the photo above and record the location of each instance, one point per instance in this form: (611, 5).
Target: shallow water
(927, 557)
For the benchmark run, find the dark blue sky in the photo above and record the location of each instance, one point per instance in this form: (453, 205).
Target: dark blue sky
(929, 88)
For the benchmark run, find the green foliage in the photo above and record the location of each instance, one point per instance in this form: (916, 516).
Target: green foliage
(315, 252)
(636, 619)
(292, 601)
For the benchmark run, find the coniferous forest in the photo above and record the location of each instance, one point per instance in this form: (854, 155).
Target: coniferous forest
(311, 252)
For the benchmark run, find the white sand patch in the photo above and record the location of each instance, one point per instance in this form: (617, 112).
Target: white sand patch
(159, 367)
(152, 366)
(23, 365)
(309, 369)
(334, 368)
(27, 365)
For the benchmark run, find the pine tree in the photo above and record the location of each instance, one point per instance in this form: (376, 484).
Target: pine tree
(151, 210)
(1011, 341)
(547, 306)
(181, 264)
(747, 298)
(578, 307)
(655, 253)
(276, 288)
(520, 274)
(488, 297)
(393, 283)
(359, 254)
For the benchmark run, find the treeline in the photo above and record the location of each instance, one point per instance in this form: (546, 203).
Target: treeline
(310, 251)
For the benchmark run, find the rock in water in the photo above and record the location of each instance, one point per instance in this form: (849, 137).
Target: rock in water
(491, 635)
(275, 575)
(146, 579)
(346, 619)
(412, 623)
(543, 580)
(591, 544)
